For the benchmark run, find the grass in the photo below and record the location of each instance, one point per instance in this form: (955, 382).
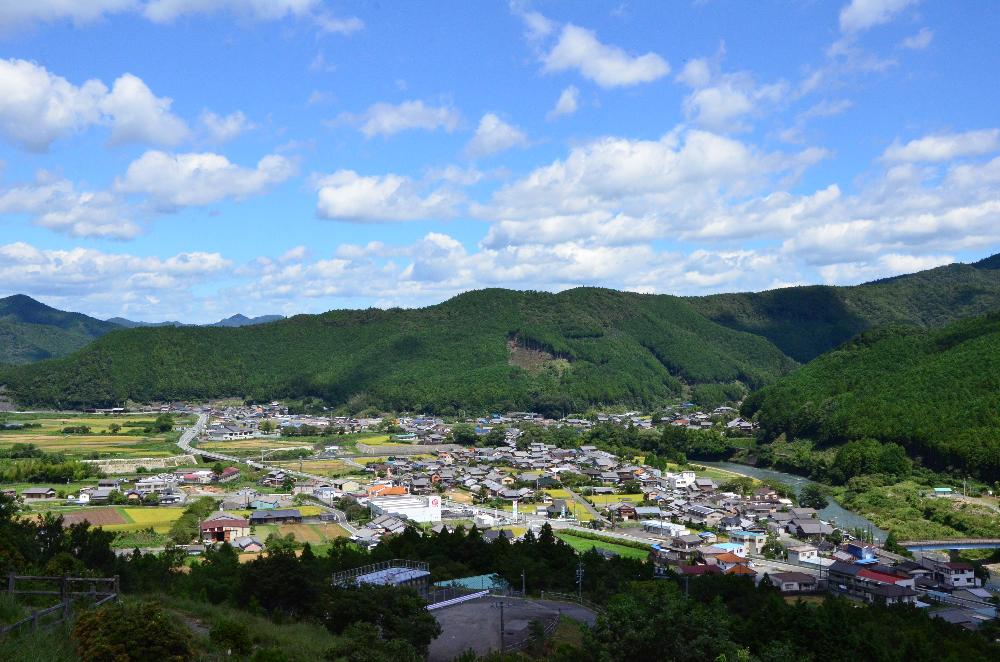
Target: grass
(252, 444)
(296, 641)
(314, 534)
(582, 545)
(331, 468)
(52, 644)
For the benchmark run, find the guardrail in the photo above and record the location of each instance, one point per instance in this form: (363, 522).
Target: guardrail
(458, 600)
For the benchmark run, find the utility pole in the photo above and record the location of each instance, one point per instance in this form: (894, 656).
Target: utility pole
(579, 580)
(499, 605)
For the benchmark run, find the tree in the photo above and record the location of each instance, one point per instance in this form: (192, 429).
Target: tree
(773, 549)
(217, 469)
(164, 423)
(267, 426)
(114, 428)
(398, 613)
(813, 496)
(127, 632)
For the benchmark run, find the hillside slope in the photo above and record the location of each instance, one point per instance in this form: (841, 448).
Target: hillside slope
(804, 322)
(31, 331)
(935, 392)
(489, 348)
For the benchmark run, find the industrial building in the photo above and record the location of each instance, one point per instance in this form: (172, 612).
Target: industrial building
(414, 508)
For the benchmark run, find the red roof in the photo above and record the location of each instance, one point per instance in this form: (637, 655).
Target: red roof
(740, 570)
(880, 577)
(699, 570)
(729, 557)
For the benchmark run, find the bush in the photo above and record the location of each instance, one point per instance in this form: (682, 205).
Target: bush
(127, 632)
(232, 635)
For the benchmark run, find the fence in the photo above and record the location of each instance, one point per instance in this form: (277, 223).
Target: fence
(349, 577)
(68, 591)
(569, 597)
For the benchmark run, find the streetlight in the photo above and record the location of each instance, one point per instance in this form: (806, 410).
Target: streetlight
(499, 605)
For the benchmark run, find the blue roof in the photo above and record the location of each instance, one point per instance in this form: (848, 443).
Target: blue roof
(728, 546)
(754, 534)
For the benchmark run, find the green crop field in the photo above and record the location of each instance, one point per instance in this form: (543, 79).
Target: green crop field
(100, 442)
(584, 545)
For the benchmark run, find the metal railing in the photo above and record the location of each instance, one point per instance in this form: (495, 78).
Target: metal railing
(349, 577)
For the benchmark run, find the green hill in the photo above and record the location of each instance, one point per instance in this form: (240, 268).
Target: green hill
(804, 322)
(934, 392)
(31, 331)
(489, 348)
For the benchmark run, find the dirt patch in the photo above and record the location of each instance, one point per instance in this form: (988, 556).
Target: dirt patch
(99, 517)
(533, 360)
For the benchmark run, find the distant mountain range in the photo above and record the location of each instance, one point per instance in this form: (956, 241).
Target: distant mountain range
(31, 331)
(234, 321)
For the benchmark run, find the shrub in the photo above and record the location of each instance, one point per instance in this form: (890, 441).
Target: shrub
(130, 632)
(232, 635)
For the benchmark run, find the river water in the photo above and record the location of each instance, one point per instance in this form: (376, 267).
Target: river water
(833, 513)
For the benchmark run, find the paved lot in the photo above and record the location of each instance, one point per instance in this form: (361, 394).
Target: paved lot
(476, 624)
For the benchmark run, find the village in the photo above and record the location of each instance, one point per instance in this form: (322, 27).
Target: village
(391, 474)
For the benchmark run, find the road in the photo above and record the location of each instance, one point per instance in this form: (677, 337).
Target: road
(192, 433)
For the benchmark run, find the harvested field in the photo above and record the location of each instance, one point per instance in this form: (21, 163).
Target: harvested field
(96, 516)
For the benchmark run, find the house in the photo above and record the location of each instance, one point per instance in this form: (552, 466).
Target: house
(276, 516)
(648, 512)
(872, 584)
(621, 511)
(384, 490)
(731, 564)
(33, 493)
(248, 544)
(802, 554)
(753, 541)
(955, 575)
(223, 526)
(274, 478)
(698, 570)
(809, 528)
(229, 474)
(264, 503)
(794, 582)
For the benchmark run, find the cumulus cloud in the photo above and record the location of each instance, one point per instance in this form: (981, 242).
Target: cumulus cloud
(568, 102)
(346, 195)
(493, 135)
(38, 107)
(171, 181)
(57, 204)
(137, 115)
(861, 15)
(107, 284)
(220, 129)
(945, 146)
(720, 101)
(608, 66)
(386, 119)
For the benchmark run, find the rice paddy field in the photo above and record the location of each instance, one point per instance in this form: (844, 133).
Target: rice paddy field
(273, 443)
(582, 545)
(601, 500)
(125, 518)
(314, 534)
(100, 442)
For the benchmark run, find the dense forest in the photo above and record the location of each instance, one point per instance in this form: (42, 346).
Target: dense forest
(936, 393)
(804, 322)
(490, 348)
(31, 331)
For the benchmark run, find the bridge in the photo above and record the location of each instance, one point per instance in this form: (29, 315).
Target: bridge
(950, 543)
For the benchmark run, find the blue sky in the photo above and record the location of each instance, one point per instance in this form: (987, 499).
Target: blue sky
(190, 159)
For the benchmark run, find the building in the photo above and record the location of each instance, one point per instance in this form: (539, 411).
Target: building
(752, 541)
(955, 575)
(414, 508)
(794, 582)
(33, 493)
(872, 583)
(802, 554)
(276, 516)
(224, 527)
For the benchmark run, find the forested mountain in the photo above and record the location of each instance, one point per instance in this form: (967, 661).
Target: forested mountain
(804, 322)
(31, 331)
(934, 392)
(489, 348)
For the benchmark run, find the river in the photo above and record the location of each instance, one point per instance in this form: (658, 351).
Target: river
(833, 513)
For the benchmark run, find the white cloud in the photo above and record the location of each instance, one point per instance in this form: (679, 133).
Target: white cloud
(166, 11)
(919, 41)
(386, 119)
(139, 116)
(945, 146)
(223, 129)
(569, 101)
(861, 15)
(345, 195)
(344, 26)
(493, 135)
(608, 66)
(18, 13)
(57, 205)
(172, 181)
(719, 101)
(38, 107)
(108, 284)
